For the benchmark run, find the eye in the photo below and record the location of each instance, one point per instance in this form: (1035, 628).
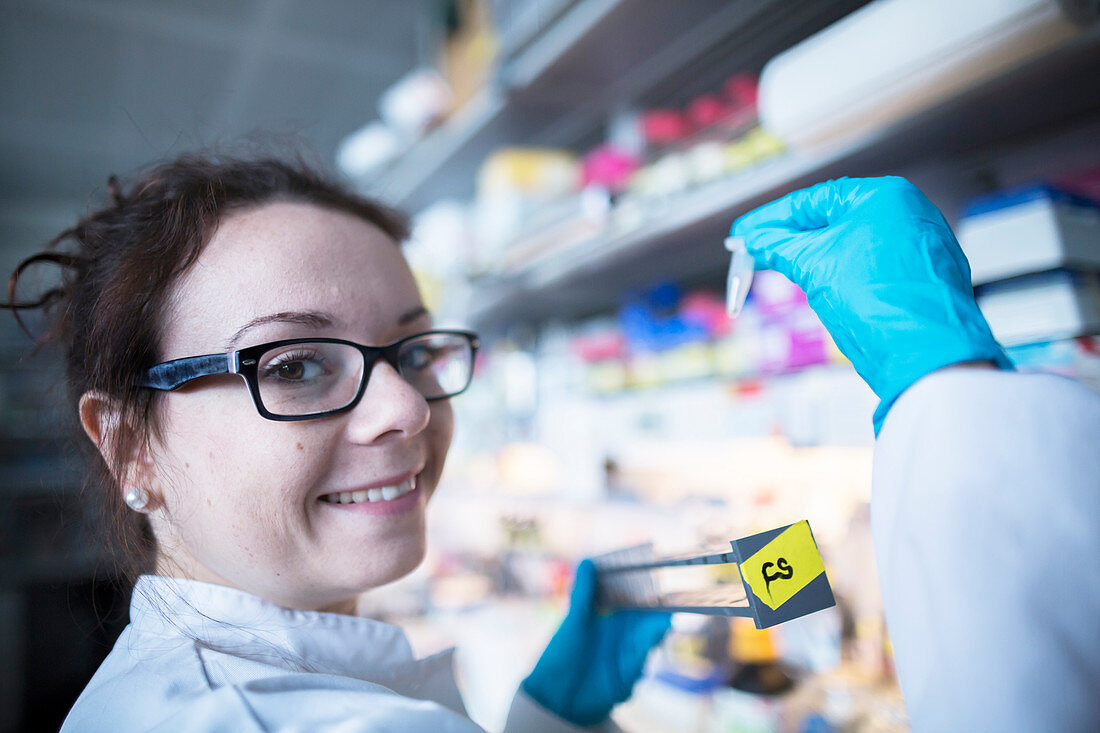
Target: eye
(292, 370)
(298, 366)
(417, 356)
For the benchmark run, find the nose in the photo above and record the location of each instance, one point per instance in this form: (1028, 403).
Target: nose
(391, 408)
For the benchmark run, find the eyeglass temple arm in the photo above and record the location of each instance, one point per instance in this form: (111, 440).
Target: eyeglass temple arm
(174, 374)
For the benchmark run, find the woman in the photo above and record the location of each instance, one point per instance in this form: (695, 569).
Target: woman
(984, 510)
(249, 354)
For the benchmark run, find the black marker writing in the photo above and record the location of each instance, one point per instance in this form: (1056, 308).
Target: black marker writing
(785, 572)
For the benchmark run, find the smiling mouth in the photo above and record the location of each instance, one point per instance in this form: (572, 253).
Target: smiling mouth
(380, 494)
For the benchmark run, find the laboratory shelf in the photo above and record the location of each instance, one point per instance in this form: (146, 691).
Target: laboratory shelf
(596, 58)
(580, 278)
(681, 236)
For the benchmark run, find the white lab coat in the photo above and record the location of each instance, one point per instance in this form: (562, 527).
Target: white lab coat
(985, 513)
(202, 657)
(986, 519)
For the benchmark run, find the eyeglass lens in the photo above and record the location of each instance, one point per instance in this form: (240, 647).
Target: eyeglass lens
(313, 377)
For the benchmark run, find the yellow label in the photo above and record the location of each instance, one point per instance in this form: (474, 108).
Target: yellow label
(784, 566)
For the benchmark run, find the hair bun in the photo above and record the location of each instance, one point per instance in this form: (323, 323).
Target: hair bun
(60, 259)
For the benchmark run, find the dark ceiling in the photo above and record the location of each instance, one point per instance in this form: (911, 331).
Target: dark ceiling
(94, 87)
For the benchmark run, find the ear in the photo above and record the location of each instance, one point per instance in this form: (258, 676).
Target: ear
(102, 421)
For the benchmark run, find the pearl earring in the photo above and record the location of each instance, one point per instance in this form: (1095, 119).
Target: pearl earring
(136, 499)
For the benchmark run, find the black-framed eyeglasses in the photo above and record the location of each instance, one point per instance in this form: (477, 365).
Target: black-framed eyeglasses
(309, 378)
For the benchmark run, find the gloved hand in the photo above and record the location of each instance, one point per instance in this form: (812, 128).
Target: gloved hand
(593, 660)
(883, 272)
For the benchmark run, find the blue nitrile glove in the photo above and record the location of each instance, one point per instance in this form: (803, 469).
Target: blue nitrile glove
(883, 272)
(593, 660)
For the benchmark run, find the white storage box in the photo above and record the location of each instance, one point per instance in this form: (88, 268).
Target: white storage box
(1030, 230)
(892, 59)
(1044, 307)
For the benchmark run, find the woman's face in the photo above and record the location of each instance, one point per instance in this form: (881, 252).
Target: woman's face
(238, 497)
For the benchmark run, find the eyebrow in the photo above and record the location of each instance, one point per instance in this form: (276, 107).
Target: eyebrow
(314, 319)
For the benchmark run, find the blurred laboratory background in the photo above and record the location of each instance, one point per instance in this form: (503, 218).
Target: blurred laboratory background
(573, 167)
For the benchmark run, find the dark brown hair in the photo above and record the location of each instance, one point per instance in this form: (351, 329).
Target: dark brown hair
(107, 314)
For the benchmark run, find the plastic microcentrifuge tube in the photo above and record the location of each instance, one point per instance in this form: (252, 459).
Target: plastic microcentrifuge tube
(739, 279)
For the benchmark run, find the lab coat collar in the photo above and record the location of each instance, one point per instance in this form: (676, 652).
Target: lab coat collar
(245, 626)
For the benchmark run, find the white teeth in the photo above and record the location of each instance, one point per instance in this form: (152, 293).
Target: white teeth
(384, 493)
